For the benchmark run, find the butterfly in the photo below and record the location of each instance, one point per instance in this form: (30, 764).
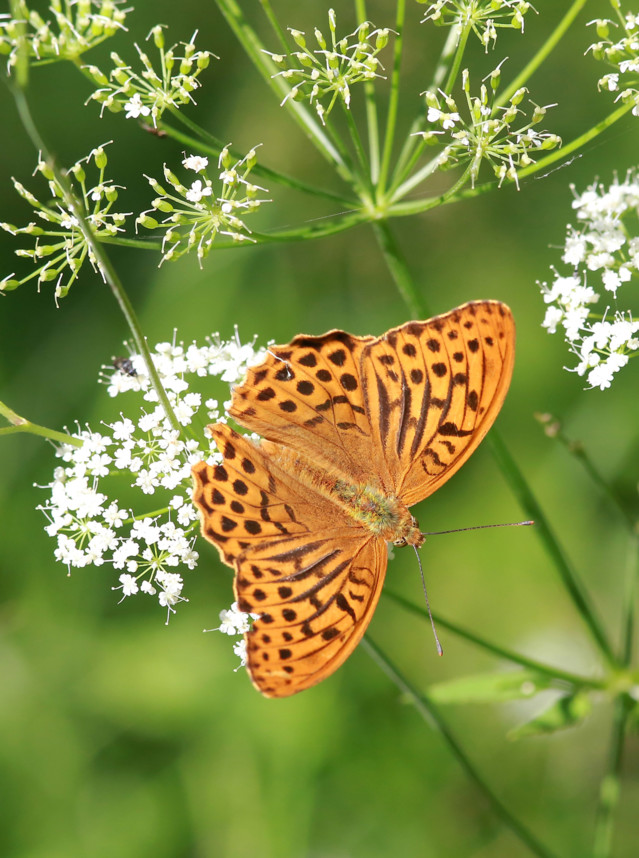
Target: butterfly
(355, 430)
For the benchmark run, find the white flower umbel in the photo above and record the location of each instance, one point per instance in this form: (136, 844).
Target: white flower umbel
(327, 72)
(618, 47)
(499, 135)
(483, 16)
(63, 32)
(61, 246)
(197, 213)
(147, 92)
(603, 253)
(151, 546)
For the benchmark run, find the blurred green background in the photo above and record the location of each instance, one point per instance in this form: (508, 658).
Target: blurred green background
(121, 736)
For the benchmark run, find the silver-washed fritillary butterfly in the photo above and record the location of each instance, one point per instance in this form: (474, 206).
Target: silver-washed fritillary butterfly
(356, 430)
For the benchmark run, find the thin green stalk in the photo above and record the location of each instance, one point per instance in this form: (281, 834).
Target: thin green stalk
(577, 449)
(393, 99)
(549, 45)
(364, 169)
(497, 650)
(275, 24)
(21, 424)
(610, 785)
(432, 716)
(411, 142)
(577, 143)
(103, 262)
(399, 270)
(372, 123)
(400, 177)
(529, 503)
(319, 228)
(210, 145)
(254, 48)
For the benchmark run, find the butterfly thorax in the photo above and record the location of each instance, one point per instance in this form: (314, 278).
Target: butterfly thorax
(384, 515)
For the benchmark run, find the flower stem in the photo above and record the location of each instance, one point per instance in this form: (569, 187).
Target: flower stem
(393, 100)
(210, 145)
(549, 45)
(102, 260)
(399, 270)
(529, 503)
(431, 715)
(372, 124)
(499, 651)
(21, 424)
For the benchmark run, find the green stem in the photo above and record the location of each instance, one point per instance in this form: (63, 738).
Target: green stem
(21, 424)
(399, 270)
(411, 143)
(610, 787)
(102, 260)
(549, 45)
(335, 224)
(529, 503)
(577, 449)
(566, 150)
(499, 651)
(275, 24)
(372, 123)
(364, 169)
(434, 719)
(393, 100)
(255, 50)
(210, 145)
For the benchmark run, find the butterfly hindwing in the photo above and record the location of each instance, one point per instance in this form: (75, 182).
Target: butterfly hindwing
(315, 596)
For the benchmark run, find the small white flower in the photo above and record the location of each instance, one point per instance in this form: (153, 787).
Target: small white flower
(196, 163)
(134, 107)
(197, 191)
(128, 585)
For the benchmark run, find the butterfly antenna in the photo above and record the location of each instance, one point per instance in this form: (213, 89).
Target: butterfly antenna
(440, 651)
(478, 527)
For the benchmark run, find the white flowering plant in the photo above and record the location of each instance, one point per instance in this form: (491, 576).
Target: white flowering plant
(117, 493)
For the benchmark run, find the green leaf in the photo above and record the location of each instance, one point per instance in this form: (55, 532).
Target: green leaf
(490, 687)
(565, 712)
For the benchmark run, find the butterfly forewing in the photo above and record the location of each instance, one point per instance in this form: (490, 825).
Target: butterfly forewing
(309, 396)
(433, 390)
(315, 598)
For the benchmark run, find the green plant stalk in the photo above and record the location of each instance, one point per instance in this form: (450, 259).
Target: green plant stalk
(210, 145)
(399, 270)
(393, 99)
(431, 715)
(372, 124)
(364, 169)
(610, 787)
(500, 652)
(411, 141)
(254, 48)
(401, 175)
(103, 261)
(275, 24)
(577, 449)
(549, 45)
(529, 503)
(21, 424)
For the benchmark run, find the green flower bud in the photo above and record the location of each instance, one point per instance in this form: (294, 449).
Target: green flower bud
(518, 97)
(98, 76)
(162, 204)
(78, 172)
(147, 221)
(298, 37)
(158, 36)
(111, 194)
(203, 60)
(48, 274)
(382, 39)
(319, 38)
(100, 158)
(9, 285)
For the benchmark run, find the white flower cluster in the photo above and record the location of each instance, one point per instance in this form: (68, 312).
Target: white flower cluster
(92, 528)
(604, 256)
(149, 93)
(328, 72)
(484, 16)
(236, 622)
(497, 134)
(66, 33)
(195, 215)
(622, 54)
